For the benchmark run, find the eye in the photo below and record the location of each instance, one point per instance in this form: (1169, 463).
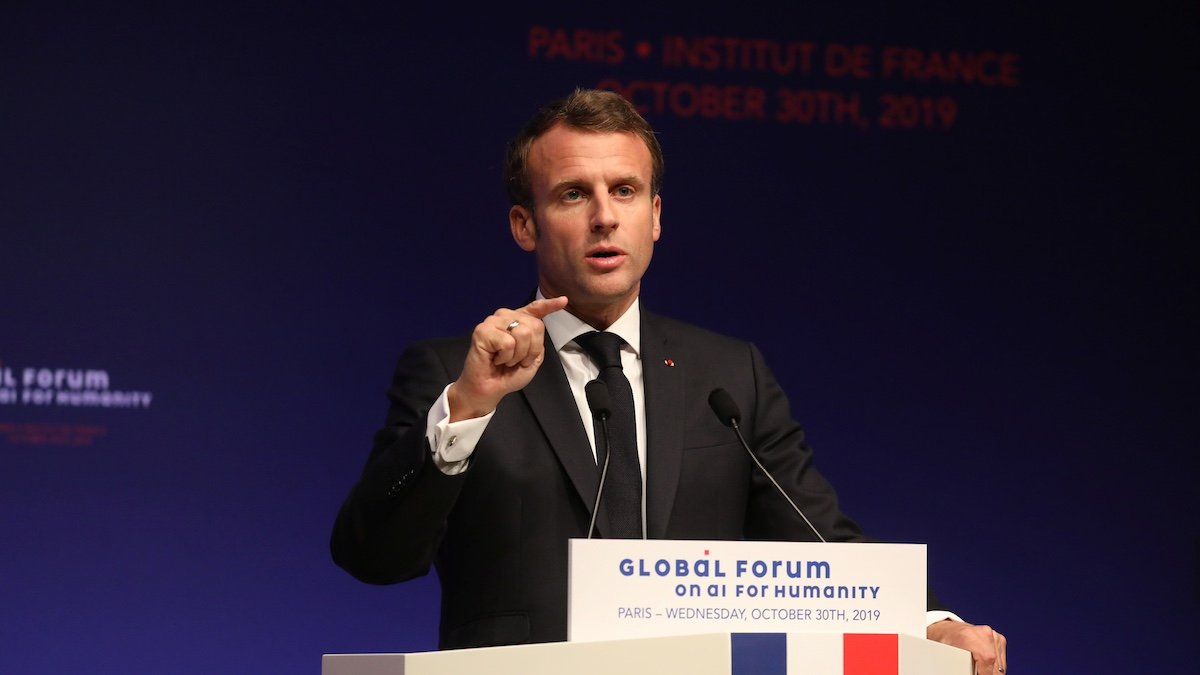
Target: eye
(624, 191)
(572, 195)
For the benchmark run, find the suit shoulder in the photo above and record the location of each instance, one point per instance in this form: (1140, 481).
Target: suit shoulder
(699, 336)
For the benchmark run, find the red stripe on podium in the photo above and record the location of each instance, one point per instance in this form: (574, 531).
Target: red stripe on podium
(870, 654)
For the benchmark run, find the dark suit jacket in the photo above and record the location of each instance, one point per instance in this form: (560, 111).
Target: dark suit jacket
(498, 532)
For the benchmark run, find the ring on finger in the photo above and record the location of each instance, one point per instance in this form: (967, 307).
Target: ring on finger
(512, 326)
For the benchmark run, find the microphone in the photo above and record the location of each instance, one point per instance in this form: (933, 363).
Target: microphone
(598, 402)
(726, 410)
(597, 399)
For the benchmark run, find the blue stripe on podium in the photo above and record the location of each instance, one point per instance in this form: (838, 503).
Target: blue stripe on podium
(759, 653)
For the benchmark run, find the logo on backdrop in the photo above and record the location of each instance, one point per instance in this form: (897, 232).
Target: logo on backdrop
(27, 388)
(66, 387)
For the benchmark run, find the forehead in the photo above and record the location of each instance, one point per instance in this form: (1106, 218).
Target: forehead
(565, 153)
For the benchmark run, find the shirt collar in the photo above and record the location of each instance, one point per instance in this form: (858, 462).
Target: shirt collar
(564, 326)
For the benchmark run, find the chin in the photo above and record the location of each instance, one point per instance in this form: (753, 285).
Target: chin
(604, 299)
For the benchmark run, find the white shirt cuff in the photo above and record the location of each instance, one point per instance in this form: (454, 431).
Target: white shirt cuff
(936, 615)
(452, 442)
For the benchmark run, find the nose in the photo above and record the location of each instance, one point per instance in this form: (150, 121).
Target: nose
(604, 213)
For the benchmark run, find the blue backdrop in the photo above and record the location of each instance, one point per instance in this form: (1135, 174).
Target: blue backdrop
(964, 238)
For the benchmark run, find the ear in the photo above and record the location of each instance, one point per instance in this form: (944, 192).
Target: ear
(657, 231)
(524, 230)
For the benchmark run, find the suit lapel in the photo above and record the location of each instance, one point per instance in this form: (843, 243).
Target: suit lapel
(549, 396)
(662, 382)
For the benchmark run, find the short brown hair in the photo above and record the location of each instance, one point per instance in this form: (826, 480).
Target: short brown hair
(587, 110)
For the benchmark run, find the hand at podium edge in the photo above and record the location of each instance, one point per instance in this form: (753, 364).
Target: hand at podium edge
(989, 649)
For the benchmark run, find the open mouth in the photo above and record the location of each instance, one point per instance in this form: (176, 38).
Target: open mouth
(606, 252)
(606, 259)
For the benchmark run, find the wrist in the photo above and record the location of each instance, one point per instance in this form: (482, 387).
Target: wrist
(463, 406)
(939, 629)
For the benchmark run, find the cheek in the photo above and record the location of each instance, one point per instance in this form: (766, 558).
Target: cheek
(561, 252)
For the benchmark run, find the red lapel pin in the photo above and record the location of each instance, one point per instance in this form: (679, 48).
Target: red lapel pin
(670, 363)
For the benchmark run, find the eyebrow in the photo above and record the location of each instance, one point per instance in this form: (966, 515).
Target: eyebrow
(578, 183)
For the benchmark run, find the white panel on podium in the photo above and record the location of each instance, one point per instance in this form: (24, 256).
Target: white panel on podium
(711, 654)
(918, 656)
(817, 653)
(693, 654)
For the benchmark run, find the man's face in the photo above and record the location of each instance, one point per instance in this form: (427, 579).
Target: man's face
(594, 221)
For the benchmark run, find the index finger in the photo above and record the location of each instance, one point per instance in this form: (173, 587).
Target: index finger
(540, 308)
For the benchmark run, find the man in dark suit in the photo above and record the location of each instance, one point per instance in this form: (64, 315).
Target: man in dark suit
(488, 462)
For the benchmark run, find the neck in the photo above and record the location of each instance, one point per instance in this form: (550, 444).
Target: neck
(600, 316)
(599, 313)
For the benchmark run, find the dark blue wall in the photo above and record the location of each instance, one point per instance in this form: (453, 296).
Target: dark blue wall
(988, 329)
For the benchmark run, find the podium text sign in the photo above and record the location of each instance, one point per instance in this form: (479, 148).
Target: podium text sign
(621, 588)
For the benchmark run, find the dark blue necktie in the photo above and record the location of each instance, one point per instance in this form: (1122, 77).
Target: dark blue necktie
(623, 488)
